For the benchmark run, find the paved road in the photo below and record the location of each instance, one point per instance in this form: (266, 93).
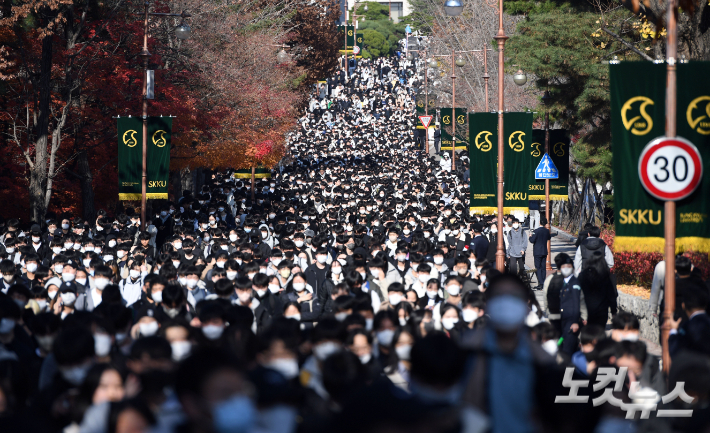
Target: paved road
(560, 244)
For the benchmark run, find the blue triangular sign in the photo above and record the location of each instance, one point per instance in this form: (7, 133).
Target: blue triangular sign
(407, 29)
(546, 169)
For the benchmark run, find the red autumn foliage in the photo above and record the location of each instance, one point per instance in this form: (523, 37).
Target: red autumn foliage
(637, 267)
(233, 101)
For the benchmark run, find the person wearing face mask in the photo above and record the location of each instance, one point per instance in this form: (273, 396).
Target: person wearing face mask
(517, 245)
(279, 350)
(317, 273)
(66, 302)
(164, 225)
(513, 360)
(131, 287)
(546, 335)
(74, 356)
(245, 296)
(214, 394)
(9, 277)
(572, 313)
(399, 368)
(326, 340)
(93, 297)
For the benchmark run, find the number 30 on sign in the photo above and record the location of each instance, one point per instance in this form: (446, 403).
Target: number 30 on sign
(670, 168)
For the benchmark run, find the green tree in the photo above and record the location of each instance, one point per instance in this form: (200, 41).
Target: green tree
(375, 11)
(375, 43)
(563, 47)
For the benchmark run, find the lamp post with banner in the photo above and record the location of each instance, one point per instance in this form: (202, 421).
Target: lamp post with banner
(182, 32)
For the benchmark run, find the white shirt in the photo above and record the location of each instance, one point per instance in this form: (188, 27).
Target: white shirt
(96, 297)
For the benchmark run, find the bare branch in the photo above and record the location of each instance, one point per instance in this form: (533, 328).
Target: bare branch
(627, 44)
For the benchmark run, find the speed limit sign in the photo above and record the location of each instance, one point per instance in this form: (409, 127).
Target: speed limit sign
(670, 168)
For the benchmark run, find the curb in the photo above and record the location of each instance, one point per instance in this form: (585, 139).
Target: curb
(564, 234)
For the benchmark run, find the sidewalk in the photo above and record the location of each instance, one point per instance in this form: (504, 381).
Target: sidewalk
(564, 243)
(561, 243)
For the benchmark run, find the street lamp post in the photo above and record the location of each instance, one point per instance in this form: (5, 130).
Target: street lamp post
(427, 64)
(455, 8)
(182, 32)
(500, 39)
(546, 101)
(460, 62)
(485, 72)
(355, 17)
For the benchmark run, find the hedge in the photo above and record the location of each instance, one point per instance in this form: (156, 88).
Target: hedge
(637, 268)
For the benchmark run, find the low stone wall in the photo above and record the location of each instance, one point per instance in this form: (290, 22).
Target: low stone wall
(639, 307)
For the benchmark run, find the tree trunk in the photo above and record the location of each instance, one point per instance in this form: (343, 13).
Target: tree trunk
(38, 173)
(87, 188)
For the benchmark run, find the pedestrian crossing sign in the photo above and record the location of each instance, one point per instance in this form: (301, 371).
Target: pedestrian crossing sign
(546, 169)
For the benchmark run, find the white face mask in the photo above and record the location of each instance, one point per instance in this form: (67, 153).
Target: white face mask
(449, 322)
(231, 275)
(403, 352)
(68, 298)
(148, 329)
(66, 276)
(567, 271)
(469, 315)
(102, 345)
(100, 283)
(181, 349)
(134, 273)
(550, 347)
(395, 298)
(516, 226)
(31, 267)
(299, 287)
(275, 288)
(454, 290)
(438, 260)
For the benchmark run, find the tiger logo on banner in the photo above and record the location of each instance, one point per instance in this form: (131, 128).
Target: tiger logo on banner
(486, 145)
(700, 124)
(635, 124)
(515, 141)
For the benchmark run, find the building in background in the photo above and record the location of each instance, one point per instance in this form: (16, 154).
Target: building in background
(398, 8)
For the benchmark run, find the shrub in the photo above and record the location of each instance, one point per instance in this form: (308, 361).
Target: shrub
(637, 267)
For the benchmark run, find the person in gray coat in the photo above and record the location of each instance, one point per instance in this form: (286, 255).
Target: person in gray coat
(517, 245)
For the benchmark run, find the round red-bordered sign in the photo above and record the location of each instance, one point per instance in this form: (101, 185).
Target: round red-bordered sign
(670, 168)
(356, 50)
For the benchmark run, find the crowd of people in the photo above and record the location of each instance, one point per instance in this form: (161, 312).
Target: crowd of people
(351, 291)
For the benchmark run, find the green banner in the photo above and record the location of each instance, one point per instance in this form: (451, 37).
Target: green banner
(559, 153)
(159, 141)
(130, 157)
(517, 169)
(638, 116)
(483, 133)
(460, 116)
(348, 46)
(446, 127)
